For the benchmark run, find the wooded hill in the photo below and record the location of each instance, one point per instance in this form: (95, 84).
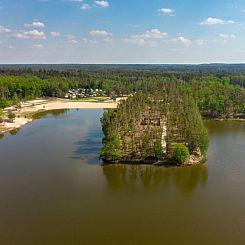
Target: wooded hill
(153, 127)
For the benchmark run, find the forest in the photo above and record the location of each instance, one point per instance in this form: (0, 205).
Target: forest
(161, 126)
(219, 91)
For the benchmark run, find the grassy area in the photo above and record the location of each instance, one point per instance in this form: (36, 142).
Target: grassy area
(92, 99)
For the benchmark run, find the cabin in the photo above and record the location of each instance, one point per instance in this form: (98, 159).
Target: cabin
(83, 93)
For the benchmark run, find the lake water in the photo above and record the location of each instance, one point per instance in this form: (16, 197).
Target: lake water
(53, 190)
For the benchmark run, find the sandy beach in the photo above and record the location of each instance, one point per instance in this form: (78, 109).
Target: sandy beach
(28, 109)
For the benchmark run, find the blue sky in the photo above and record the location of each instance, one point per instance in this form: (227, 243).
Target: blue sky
(128, 31)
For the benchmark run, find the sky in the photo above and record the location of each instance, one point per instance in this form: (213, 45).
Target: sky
(122, 31)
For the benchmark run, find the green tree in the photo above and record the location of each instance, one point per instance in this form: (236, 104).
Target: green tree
(114, 97)
(111, 150)
(4, 103)
(16, 101)
(181, 153)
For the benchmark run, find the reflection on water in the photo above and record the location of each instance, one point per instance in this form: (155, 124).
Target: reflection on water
(39, 115)
(88, 148)
(53, 113)
(221, 128)
(15, 131)
(185, 179)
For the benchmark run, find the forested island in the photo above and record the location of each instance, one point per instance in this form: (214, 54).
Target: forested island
(162, 126)
(161, 119)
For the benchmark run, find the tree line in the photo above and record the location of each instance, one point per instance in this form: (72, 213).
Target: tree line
(217, 94)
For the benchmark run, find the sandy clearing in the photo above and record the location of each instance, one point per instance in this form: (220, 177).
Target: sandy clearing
(34, 106)
(73, 105)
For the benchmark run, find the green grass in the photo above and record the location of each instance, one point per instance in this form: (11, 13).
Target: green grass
(91, 99)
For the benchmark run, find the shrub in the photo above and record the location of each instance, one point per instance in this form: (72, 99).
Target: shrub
(181, 153)
(11, 116)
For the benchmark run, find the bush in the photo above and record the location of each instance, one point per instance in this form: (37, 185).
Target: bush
(181, 153)
(11, 116)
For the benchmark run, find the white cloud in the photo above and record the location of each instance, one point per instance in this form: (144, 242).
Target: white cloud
(216, 21)
(34, 34)
(167, 11)
(87, 41)
(154, 34)
(201, 41)
(37, 46)
(54, 34)
(108, 40)
(4, 29)
(70, 36)
(134, 41)
(185, 41)
(36, 24)
(103, 4)
(76, 40)
(100, 33)
(85, 6)
(222, 38)
(227, 36)
(147, 37)
(72, 41)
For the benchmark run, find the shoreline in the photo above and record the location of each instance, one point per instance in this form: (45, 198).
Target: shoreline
(25, 114)
(224, 120)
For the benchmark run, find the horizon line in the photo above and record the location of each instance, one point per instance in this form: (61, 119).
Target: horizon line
(205, 63)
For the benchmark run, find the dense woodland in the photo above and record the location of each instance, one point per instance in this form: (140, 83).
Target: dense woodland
(218, 90)
(149, 126)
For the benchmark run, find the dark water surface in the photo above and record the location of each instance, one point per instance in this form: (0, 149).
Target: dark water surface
(53, 190)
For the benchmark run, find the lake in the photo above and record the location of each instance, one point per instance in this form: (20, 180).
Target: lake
(54, 191)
